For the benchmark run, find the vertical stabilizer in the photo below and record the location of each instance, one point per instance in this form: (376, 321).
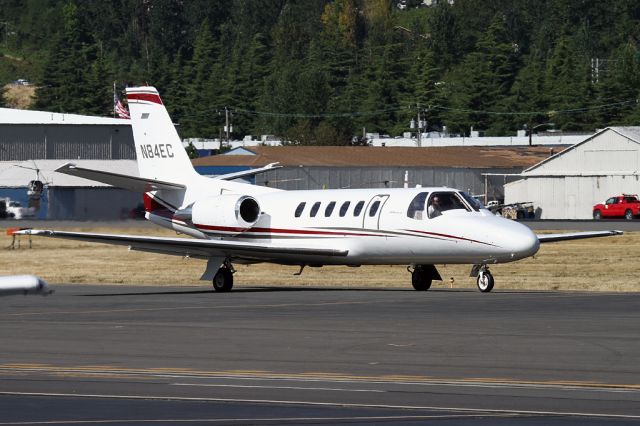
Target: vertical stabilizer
(159, 150)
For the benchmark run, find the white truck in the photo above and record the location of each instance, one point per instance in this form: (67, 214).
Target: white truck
(15, 210)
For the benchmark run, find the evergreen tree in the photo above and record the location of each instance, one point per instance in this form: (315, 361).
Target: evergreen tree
(568, 87)
(619, 87)
(349, 63)
(200, 91)
(483, 78)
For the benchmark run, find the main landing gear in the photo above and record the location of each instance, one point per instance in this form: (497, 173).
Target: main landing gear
(484, 278)
(422, 276)
(223, 279)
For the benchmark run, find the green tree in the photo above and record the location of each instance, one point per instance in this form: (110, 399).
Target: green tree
(484, 77)
(200, 90)
(568, 87)
(619, 87)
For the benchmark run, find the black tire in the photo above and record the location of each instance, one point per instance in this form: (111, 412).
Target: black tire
(420, 279)
(597, 214)
(485, 282)
(223, 280)
(628, 214)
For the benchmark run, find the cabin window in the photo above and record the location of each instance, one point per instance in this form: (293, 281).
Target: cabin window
(358, 208)
(314, 209)
(443, 201)
(344, 207)
(329, 209)
(374, 208)
(300, 208)
(416, 208)
(472, 201)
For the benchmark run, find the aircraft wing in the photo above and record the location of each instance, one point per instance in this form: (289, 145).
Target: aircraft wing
(191, 247)
(550, 238)
(132, 183)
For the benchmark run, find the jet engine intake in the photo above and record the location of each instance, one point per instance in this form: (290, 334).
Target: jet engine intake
(227, 213)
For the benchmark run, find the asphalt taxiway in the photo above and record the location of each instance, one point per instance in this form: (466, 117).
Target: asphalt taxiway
(172, 355)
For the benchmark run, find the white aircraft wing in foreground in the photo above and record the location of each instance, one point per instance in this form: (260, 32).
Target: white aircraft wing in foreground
(231, 222)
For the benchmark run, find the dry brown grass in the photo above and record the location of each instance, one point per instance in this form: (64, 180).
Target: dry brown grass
(601, 264)
(20, 97)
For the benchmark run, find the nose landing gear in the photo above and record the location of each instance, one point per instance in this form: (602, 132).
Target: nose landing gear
(484, 279)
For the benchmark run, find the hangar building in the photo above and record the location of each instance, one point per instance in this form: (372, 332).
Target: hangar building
(70, 197)
(318, 167)
(567, 185)
(34, 143)
(27, 135)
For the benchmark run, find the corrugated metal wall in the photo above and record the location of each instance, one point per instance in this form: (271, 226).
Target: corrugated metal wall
(570, 197)
(91, 203)
(64, 142)
(301, 178)
(573, 197)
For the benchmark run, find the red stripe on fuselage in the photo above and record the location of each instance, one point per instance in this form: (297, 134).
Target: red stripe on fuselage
(149, 97)
(435, 234)
(281, 231)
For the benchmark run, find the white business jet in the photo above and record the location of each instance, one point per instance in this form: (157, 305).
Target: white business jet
(239, 223)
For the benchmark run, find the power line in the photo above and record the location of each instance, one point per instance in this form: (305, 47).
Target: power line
(244, 111)
(472, 111)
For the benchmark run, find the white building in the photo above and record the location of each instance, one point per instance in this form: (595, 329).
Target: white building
(567, 185)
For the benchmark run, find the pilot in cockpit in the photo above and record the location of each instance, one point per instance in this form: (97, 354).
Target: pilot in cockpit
(435, 208)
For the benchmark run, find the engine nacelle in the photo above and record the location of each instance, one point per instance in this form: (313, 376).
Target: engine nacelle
(225, 213)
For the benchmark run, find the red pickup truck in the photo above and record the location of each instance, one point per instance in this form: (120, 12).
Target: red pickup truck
(625, 205)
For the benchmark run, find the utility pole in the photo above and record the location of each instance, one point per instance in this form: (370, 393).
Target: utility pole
(418, 125)
(228, 128)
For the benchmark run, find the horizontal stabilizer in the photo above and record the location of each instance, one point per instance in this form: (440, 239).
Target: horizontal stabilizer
(550, 238)
(196, 248)
(245, 173)
(132, 183)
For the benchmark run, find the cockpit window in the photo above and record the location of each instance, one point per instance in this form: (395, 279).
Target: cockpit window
(416, 209)
(443, 201)
(473, 202)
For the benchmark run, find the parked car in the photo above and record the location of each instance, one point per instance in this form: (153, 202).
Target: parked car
(625, 205)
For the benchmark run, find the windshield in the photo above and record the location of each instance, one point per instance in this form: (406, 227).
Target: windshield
(473, 202)
(442, 201)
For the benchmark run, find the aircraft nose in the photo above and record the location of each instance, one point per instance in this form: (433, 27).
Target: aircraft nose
(522, 242)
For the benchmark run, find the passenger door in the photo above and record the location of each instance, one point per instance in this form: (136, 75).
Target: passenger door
(609, 207)
(371, 219)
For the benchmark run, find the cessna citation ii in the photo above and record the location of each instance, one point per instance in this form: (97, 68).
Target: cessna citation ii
(240, 223)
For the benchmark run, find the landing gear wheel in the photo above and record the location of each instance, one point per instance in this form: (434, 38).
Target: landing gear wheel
(420, 279)
(223, 280)
(628, 215)
(485, 281)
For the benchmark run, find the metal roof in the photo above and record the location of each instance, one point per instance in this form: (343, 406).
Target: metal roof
(21, 116)
(356, 156)
(630, 132)
(17, 174)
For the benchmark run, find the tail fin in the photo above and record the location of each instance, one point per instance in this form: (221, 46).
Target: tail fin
(159, 150)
